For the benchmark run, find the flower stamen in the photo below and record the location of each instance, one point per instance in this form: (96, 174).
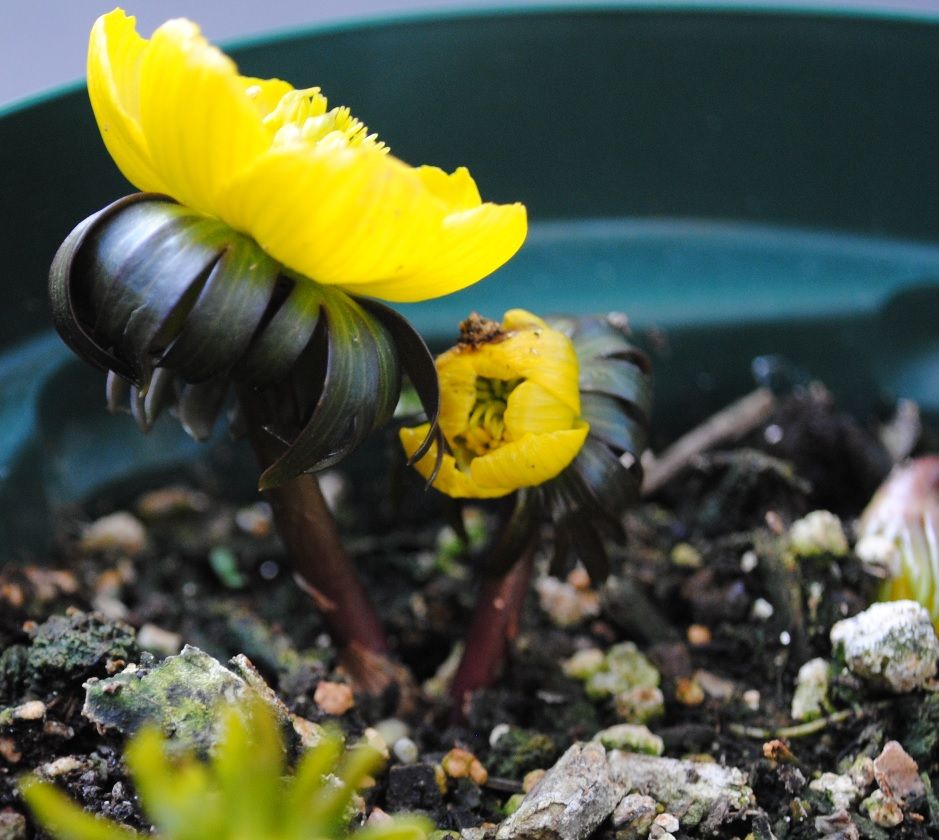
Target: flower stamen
(485, 426)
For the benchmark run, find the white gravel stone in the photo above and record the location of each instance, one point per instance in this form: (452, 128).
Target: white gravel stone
(819, 532)
(841, 791)
(694, 792)
(405, 750)
(892, 645)
(572, 799)
(811, 694)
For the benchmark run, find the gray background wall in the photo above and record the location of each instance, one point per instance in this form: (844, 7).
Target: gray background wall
(42, 42)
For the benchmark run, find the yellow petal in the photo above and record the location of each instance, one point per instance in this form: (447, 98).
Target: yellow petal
(533, 410)
(337, 214)
(450, 480)
(519, 319)
(457, 191)
(115, 56)
(541, 355)
(470, 245)
(530, 461)
(457, 377)
(202, 127)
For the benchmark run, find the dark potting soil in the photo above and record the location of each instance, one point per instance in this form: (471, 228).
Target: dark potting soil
(704, 586)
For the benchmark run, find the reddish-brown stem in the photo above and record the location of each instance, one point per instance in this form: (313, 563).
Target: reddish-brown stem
(321, 566)
(494, 624)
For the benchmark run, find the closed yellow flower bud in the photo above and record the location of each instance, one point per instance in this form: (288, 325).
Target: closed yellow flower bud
(509, 408)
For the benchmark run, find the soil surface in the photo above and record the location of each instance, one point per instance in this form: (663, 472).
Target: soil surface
(706, 587)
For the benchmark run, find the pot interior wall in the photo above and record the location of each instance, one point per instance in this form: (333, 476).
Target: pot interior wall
(742, 183)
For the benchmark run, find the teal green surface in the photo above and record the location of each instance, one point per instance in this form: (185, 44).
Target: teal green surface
(749, 182)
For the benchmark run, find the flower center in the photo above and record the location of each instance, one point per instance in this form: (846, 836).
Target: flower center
(485, 429)
(301, 117)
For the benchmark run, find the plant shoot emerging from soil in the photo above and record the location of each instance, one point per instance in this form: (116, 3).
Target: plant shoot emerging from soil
(268, 224)
(898, 534)
(240, 792)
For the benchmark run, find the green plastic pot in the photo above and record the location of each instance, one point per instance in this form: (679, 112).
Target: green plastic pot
(744, 182)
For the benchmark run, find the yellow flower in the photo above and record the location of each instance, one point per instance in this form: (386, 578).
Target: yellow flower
(308, 183)
(509, 408)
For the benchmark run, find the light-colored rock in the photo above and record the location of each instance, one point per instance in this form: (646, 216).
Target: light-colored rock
(630, 737)
(565, 604)
(882, 809)
(819, 532)
(692, 791)
(633, 817)
(12, 825)
(841, 791)
(892, 645)
(663, 825)
(640, 704)
(334, 698)
(405, 751)
(897, 774)
(572, 799)
(156, 639)
(584, 663)
(715, 687)
(811, 694)
(120, 533)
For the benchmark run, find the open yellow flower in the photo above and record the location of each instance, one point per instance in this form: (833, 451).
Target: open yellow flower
(307, 183)
(509, 408)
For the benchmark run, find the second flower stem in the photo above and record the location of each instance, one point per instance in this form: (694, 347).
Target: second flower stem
(494, 624)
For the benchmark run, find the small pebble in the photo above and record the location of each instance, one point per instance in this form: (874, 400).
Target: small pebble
(883, 810)
(584, 663)
(640, 704)
(156, 639)
(30, 710)
(333, 698)
(842, 791)
(565, 604)
(663, 824)
(819, 532)
(462, 764)
(378, 817)
(699, 634)
(811, 693)
(714, 686)
(9, 751)
(61, 767)
(405, 750)
(686, 556)
(630, 737)
(120, 533)
(751, 699)
(897, 774)
(255, 520)
(688, 692)
(531, 778)
(892, 645)
(749, 561)
(498, 731)
(393, 729)
(761, 610)
(171, 501)
(12, 825)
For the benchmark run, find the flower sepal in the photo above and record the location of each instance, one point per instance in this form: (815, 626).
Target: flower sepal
(178, 307)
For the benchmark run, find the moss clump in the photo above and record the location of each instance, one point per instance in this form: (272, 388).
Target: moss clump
(69, 647)
(520, 750)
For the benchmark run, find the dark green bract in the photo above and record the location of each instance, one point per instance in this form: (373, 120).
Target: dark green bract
(588, 499)
(178, 308)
